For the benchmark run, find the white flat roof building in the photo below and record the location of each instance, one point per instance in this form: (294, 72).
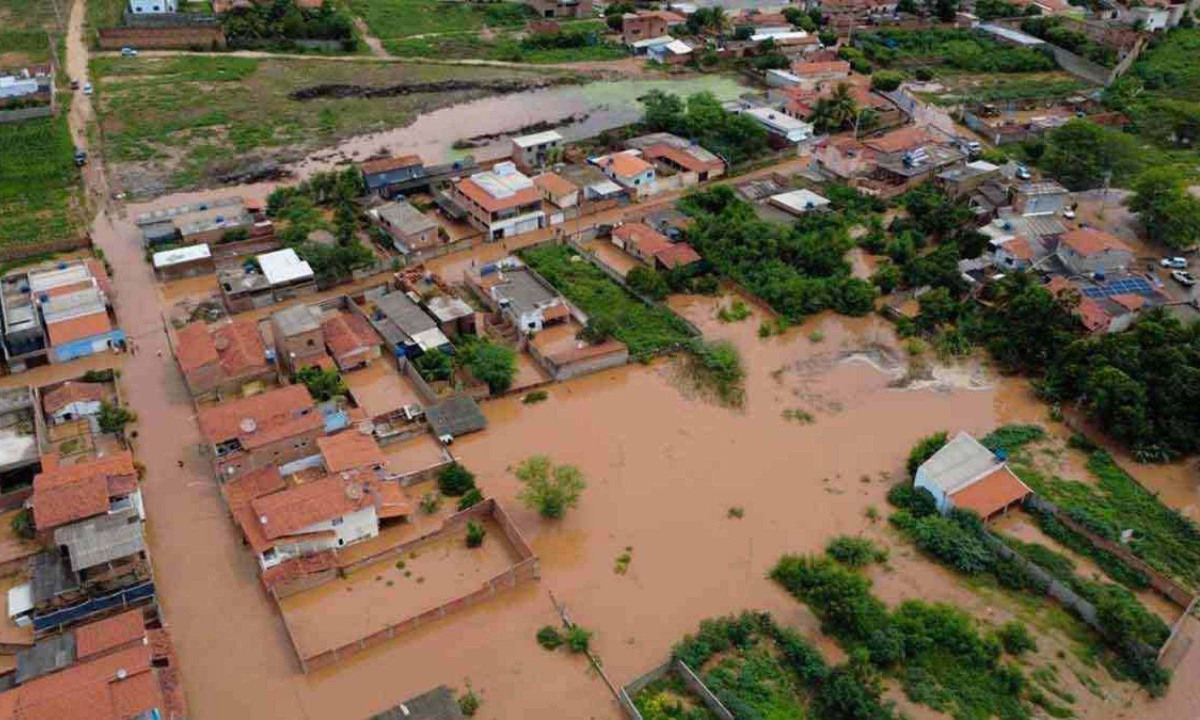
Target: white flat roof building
(542, 138)
(799, 202)
(178, 256)
(785, 126)
(284, 266)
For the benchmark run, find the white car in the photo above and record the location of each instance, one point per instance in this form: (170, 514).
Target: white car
(1023, 173)
(1174, 263)
(1068, 213)
(87, 88)
(1183, 277)
(128, 52)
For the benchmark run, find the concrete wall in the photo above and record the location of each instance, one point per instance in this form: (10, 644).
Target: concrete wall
(685, 673)
(203, 37)
(19, 114)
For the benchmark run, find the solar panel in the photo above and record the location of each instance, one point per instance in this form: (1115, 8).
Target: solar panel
(1123, 286)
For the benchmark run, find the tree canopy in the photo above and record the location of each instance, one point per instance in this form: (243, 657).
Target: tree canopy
(1169, 213)
(701, 118)
(1081, 154)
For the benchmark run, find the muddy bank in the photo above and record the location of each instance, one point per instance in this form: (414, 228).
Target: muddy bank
(537, 127)
(338, 90)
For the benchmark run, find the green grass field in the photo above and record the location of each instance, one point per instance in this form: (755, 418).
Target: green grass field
(391, 19)
(40, 192)
(25, 29)
(171, 123)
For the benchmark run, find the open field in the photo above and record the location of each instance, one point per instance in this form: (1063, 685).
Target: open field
(515, 47)
(182, 122)
(23, 30)
(390, 19)
(40, 194)
(956, 88)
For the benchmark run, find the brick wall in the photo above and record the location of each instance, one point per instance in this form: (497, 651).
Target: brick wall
(167, 38)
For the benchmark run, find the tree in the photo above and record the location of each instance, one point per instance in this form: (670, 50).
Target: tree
(938, 307)
(598, 330)
(1082, 155)
(663, 111)
(647, 281)
(492, 364)
(470, 499)
(113, 418)
(549, 637)
(836, 112)
(22, 524)
(322, 384)
(455, 480)
(550, 490)
(925, 448)
(578, 639)
(886, 80)
(1169, 213)
(434, 365)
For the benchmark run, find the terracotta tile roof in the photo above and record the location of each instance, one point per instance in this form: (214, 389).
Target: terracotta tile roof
(665, 15)
(254, 484)
(274, 415)
(1090, 241)
(484, 199)
(646, 239)
(347, 333)
(85, 326)
(991, 493)
(625, 165)
(298, 567)
(820, 68)
(1091, 313)
(389, 164)
(70, 392)
(899, 140)
(391, 501)
(293, 510)
(350, 450)
(67, 493)
(680, 157)
(677, 255)
(1019, 248)
(1129, 301)
(109, 634)
(101, 275)
(252, 529)
(68, 289)
(238, 347)
(554, 184)
(91, 690)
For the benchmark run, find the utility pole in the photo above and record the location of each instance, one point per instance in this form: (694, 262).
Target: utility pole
(1104, 197)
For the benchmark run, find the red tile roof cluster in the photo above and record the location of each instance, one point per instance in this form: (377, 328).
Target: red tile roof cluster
(475, 192)
(110, 634)
(389, 164)
(254, 484)
(350, 450)
(66, 493)
(665, 15)
(1090, 312)
(238, 347)
(262, 419)
(69, 392)
(680, 157)
(1091, 241)
(299, 567)
(678, 255)
(806, 69)
(624, 165)
(347, 333)
(902, 140)
(554, 184)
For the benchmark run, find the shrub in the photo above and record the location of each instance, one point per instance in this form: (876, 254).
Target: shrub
(550, 490)
(716, 367)
(950, 542)
(925, 448)
(855, 552)
(113, 418)
(549, 637)
(22, 524)
(435, 366)
(431, 502)
(469, 703)
(578, 639)
(648, 282)
(536, 397)
(475, 534)
(886, 80)
(917, 501)
(322, 384)
(470, 499)
(490, 363)
(454, 480)
(1015, 638)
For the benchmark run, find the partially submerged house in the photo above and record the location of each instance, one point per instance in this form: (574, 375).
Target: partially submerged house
(533, 152)
(387, 176)
(648, 24)
(414, 234)
(501, 202)
(407, 329)
(519, 295)
(299, 339)
(350, 339)
(273, 428)
(652, 248)
(966, 475)
(20, 439)
(210, 221)
(183, 262)
(72, 400)
(628, 170)
(268, 279)
(225, 359)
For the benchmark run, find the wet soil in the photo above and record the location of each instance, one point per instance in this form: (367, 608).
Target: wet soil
(500, 87)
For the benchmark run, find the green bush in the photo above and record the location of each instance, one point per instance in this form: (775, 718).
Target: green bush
(550, 490)
(919, 502)
(1015, 638)
(495, 365)
(470, 499)
(886, 80)
(454, 480)
(22, 524)
(925, 448)
(549, 637)
(716, 367)
(855, 552)
(647, 282)
(578, 639)
(475, 534)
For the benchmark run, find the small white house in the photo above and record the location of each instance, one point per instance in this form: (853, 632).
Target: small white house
(150, 7)
(308, 518)
(72, 400)
(965, 474)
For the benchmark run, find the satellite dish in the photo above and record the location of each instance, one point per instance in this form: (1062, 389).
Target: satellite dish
(247, 425)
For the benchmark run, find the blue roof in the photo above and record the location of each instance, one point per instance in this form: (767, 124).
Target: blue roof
(1123, 286)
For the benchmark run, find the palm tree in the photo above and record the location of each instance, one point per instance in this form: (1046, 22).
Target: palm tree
(835, 112)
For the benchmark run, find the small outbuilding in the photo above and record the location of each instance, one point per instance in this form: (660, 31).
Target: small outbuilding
(964, 474)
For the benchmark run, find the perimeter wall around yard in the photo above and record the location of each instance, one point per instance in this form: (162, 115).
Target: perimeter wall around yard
(526, 569)
(680, 668)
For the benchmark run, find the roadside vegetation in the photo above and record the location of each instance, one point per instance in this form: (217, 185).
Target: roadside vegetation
(303, 209)
(40, 191)
(645, 329)
(962, 50)
(576, 42)
(735, 137)
(283, 25)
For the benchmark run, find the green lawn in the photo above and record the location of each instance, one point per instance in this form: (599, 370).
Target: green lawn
(104, 13)
(390, 19)
(645, 329)
(40, 193)
(504, 48)
(23, 30)
(31, 15)
(180, 122)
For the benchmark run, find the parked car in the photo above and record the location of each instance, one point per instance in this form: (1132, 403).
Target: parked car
(74, 84)
(1069, 213)
(1183, 277)
(129, 52)
(87, 88)
(80, 158)
(1023, 173)
(1174, 263)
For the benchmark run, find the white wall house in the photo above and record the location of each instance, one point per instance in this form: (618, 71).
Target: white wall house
(325, 535)
(146, 7)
